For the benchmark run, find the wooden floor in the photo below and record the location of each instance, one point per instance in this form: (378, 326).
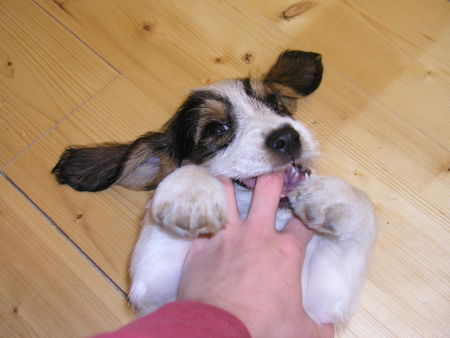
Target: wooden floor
(86, 71)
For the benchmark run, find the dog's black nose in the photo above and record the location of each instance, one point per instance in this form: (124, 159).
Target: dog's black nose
(284, 141)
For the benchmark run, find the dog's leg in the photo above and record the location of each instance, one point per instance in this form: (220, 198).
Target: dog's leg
(331, 206)
(345, 222)
(190, 201)
(156, 268)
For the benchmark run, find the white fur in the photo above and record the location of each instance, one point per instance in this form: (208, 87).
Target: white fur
(336, 260)
(247, 156)
(191, 201)
(156, 268)
(334, 264)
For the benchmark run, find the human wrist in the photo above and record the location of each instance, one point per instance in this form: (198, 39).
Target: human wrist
(235, 308)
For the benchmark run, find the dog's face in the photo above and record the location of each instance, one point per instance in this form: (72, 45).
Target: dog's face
(236, 128)
(253, 132)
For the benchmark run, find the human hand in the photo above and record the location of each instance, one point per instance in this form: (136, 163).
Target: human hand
(253, 271)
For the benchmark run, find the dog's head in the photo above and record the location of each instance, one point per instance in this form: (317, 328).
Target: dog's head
(236, 128)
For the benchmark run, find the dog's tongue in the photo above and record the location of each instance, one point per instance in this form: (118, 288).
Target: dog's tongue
(250, 182)
(293, 176)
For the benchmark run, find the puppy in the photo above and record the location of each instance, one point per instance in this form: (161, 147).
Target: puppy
(239, 128)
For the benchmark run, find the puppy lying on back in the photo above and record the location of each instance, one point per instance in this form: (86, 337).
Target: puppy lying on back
(241, 129)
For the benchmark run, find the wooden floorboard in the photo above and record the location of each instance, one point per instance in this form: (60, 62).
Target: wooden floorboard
(367, 54)
(381, 53)
(47, 288)
(382, 116)
(104, 225)
(45, 73)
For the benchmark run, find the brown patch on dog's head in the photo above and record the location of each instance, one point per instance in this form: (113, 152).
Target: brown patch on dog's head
(266, 94)
(205, 124)
(202, 126)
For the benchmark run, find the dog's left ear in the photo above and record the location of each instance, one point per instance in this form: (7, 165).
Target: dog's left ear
(295, 74)
(138, 165)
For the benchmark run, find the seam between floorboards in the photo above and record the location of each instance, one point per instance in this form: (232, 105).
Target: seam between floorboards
(71, 242)
(77, 37)
(389, 108)
(354, 82)
(57, 123)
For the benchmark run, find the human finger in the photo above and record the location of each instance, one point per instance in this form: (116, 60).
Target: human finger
(301, 232)
(233, 211)
(266, 197)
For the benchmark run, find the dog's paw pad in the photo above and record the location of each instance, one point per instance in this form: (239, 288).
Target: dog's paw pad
(326, 204)
(190, 202)
(325, 219)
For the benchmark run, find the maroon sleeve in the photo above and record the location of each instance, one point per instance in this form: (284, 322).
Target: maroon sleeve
(183, 319)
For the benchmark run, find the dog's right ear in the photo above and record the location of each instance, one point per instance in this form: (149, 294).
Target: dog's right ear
(295, 73)
(140, 165)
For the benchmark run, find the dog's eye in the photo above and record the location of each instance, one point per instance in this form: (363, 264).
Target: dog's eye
(215, 128)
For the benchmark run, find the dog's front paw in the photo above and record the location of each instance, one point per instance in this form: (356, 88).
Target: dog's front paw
(330, 205)
(190, 201)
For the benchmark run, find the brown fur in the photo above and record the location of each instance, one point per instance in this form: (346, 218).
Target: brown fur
(291, 63)
(202, 126)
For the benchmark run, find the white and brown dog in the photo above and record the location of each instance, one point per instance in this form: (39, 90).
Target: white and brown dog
(240, 129)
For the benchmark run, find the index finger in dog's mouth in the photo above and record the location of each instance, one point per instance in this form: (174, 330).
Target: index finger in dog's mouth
(233, 212)
(266, 196)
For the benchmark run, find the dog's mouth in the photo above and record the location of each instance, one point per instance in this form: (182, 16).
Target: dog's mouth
(294, 175)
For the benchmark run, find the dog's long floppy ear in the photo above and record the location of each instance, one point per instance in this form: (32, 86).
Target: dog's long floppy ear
(138, 165)
(295, 74)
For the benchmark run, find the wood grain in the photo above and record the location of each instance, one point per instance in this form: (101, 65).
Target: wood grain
(412, 85)
(48, 289)
(168, 47)
(105, 225)
(45, 72)
(393, 49)
(379, 153)
(357, 149)
(381, 116)
(419, 25)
